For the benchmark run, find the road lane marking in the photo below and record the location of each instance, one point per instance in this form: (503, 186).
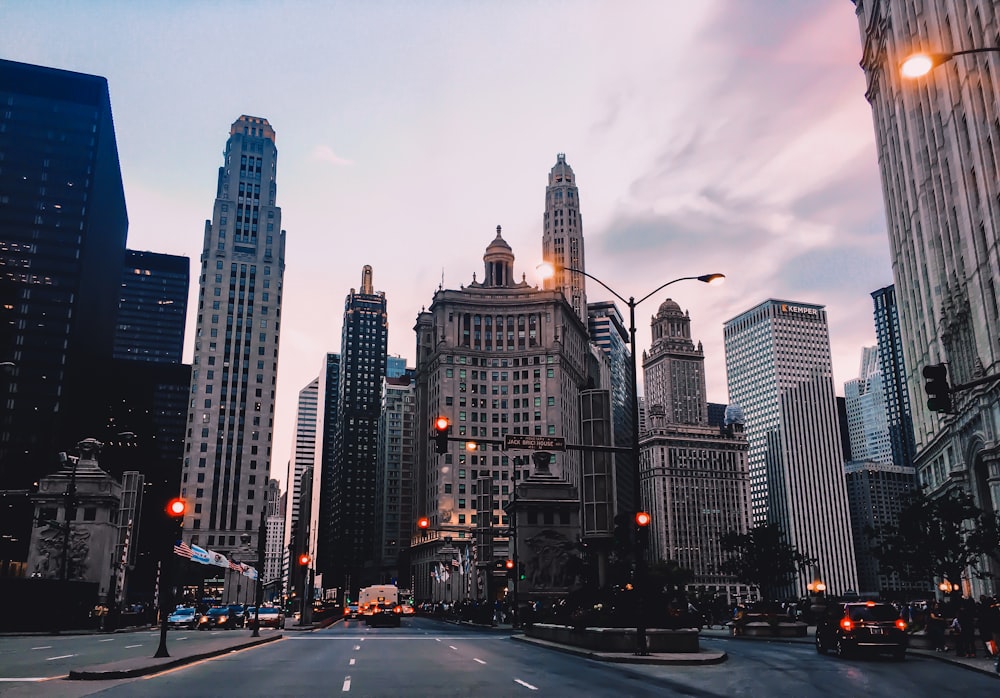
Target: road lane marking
(477, 659)
(110, 639)
(347, 685)
(43, 647)
(352, 661)
(128, 647)
(61, 656)
(526, 685)
(357, 647)
(28, 678)
(181, 638)
(453, 647)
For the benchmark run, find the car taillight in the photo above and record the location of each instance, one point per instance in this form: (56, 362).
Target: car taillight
(846, 624)
(901, 624)
(347, 611)
(398, 609)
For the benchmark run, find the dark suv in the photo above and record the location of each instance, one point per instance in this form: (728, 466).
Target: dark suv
(864, 626)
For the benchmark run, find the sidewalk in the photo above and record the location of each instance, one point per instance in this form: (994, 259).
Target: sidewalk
(981, 662)
(180, 654)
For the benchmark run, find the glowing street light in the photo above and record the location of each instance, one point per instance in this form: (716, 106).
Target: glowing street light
(919, 64)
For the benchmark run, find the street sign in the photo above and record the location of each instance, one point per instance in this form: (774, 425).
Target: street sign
(534, 443)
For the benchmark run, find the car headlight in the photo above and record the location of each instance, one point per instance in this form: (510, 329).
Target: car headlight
(223, 619)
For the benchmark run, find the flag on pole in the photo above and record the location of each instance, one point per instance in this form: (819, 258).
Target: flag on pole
(183, 549)
(199, 555)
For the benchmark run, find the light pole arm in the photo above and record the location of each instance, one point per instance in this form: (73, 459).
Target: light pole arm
(594, 278)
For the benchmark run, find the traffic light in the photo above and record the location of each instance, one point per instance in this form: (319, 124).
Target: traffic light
(642, 520)
(176, 508)
(423, 523)
(442, 429)
(623, 533)
(938, 390)
(520, 571)
(508, 565)
(304, 560)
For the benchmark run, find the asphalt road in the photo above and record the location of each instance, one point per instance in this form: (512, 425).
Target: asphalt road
(430, 658)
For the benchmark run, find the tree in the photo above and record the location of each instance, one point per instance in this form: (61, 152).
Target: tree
(937, 537)
(762, 557)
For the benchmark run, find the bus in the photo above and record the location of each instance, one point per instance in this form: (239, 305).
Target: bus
(379, 605)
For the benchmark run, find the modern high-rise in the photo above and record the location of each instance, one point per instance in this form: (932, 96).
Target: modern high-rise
(274, 544)
(867, 422)
(63, 227)
(152, 308)
(608, 332)
(300, 466)
(497, 357)
(780, 373)
(695, 481)
(892, 365)
(937, 138)
(394, 479)
(230, 422)
(351, 486)
(326, 439)
(562, 236)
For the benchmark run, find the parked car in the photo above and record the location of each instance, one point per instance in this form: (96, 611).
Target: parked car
(270, 617)
(867, 626)
(183, 618)
(226, 617)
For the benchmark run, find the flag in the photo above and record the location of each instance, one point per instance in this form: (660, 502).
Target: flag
(183, 549)
(455, 563)
(217, 559)
(199, 555)
(250, 572)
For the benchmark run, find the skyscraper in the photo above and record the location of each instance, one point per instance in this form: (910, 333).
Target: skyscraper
(152, 308)
(867, 424)
(300, 466)
(326, 439)
(892, 366)
(394, 479)
(351, 486)
(562, 237)
(231, 416)
(780, 373)
(63, 228)
(695, 481)
(937, 142)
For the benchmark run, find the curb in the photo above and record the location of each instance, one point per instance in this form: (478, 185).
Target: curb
(167, 663)
(676, 659)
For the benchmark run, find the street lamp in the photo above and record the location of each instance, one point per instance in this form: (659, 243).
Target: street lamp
(547, 271)
(919, 64)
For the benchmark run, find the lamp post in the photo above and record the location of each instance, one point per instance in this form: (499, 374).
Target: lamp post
(640, 562)
(919, 64)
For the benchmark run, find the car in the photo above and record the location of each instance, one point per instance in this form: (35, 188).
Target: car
(351, 611)
(383, 614)
(226, 617)
(183, 618)
(866, 626)
(270, 617)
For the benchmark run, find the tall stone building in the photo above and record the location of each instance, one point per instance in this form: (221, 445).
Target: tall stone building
(349, 486)
(63, 228)
(779, 371)
(394, 479)
(230, 421)
(495, 357)
(562, 237)
(937, 138)
(694, 476)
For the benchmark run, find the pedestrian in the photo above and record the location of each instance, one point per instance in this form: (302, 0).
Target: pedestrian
(966, 619)
(936, 627)
(992, 615)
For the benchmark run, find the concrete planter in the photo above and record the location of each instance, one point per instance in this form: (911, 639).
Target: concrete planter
(616, 639)
(765, 629)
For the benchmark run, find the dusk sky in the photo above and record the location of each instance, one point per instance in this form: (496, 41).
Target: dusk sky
(710, 136)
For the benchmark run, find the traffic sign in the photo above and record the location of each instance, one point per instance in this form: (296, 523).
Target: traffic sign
(534, 443)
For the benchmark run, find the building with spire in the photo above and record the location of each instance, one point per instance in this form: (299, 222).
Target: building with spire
(562, 236)
(695, 477)
(495, 357)
(349, 488)
(230, 423)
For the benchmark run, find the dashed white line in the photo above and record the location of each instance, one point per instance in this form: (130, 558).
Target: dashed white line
(525, 684)
(110, 639)
(357, 647)
(477, 659)
(61, 656)
(128, 647)
(352, 661)
(180, 638)
(43, 647)
(453, 647)
(347, 684)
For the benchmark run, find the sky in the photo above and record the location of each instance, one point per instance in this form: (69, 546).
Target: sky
(727, 136)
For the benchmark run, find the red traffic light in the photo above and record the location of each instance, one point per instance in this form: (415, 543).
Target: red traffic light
(442, 424)
(509, 564)
(423, 523)
(304, 559)
(176, 507)
(642, 518)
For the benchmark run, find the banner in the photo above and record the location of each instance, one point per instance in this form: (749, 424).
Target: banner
(210, 557)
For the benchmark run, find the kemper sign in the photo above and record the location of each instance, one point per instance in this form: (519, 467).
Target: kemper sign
(802, 310)
(534, 443)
